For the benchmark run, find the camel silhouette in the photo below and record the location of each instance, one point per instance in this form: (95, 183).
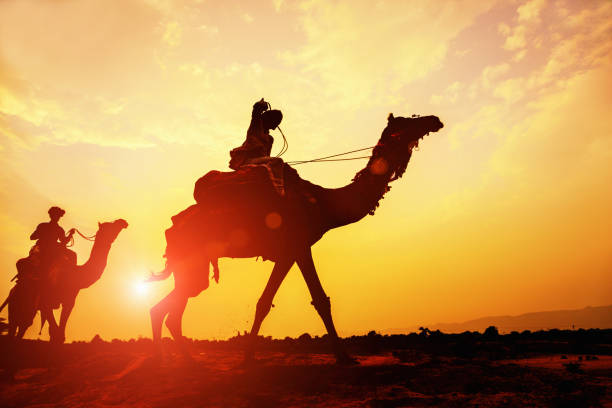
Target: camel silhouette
(239, 215)
(29, 295)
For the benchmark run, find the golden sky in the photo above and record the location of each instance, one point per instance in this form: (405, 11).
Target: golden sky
(113, 109)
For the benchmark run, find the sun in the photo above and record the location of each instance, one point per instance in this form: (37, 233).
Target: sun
(140, 288)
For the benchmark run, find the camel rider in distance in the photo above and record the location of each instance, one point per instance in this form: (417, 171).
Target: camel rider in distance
(257, 147)
(51, 242)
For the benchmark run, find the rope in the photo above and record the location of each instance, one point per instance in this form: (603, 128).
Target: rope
(329, 160)
(91, 238)
(325, 158)
(285, 147)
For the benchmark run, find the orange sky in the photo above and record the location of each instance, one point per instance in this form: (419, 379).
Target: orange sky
(113, 109)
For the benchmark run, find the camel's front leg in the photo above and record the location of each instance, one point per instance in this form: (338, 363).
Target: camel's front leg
(174, 322)
(67, 307)
(322, 304)
(46, 314)
(264, 304)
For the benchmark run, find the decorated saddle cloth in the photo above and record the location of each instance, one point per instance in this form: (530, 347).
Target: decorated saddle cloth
(261, 177)
(227, 202)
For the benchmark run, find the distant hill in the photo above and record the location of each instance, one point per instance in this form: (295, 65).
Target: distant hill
(599, 317)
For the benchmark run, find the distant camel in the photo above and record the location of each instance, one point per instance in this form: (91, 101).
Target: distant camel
(240, 215)
(29, 296)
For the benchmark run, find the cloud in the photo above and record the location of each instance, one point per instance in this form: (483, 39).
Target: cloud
(172, 34)
(546, 53)
(15, 130)
(511, 90)
(516, 40)
(278, 4)
(530, 11)
(363, 52)
(558, 137)
(528, 14)
(451, 94)
(50, 43)
(492, 73)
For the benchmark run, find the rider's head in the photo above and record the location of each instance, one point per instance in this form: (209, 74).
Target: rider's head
(271, 119)
(55, 213)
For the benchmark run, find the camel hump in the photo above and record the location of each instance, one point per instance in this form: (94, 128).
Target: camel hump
(229, 186)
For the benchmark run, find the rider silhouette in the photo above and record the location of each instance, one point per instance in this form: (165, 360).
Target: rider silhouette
(51, 240)
(257, 147)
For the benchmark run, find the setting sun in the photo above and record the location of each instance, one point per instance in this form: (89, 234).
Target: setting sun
(141, 288)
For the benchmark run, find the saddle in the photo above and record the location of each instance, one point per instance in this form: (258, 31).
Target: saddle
(217, 187)
(229, 203)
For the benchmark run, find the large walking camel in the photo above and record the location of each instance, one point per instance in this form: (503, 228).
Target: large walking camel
(240, 215)
(29, 295)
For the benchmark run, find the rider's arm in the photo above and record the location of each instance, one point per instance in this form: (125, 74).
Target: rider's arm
(255, 133)
(63, 237)
(36, 234)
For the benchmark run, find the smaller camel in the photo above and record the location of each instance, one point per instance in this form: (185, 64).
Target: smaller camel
(29, 295)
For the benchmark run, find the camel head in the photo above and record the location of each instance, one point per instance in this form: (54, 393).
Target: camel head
(108, 231)
(394, 149)
(408, 131)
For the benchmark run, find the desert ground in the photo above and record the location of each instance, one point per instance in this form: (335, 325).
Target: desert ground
(426, 369)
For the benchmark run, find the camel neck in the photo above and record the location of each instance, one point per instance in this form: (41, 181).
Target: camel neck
(93, 268)
(354, 201)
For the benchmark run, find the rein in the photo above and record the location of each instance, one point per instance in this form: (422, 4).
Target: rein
(91, 238)
(330, 159)
(285, 147)
(71, 242)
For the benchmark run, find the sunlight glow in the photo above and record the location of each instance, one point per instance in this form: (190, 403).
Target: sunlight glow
(140, 288)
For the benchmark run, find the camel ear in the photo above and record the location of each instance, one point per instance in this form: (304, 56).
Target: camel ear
(390, 117)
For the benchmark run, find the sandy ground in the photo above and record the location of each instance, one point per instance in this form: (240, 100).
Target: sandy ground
(217, 379)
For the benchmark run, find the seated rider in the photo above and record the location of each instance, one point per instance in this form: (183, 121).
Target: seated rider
(51, 242)
(257, 147)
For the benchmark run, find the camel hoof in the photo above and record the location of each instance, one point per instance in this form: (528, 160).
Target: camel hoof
(7, 377)
(188, 361)
(156, 358)
(343, 359)
(56, 341)
(248, 361)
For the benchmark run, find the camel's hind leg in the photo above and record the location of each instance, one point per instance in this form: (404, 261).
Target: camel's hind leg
(158, 314)
(12, 329)
(322, 304)
(174, 321)
(46, 314)
(190, 279)
(173, 306)
(264, 304)
(21, 331)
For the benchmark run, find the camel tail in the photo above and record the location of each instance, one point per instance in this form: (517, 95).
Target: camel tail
(163, 275)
